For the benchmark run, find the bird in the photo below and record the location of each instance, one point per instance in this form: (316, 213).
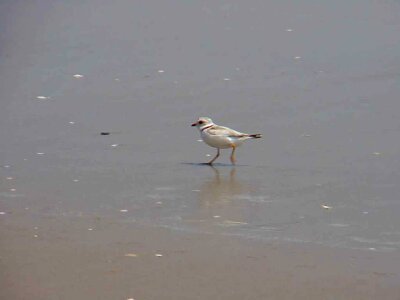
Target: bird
(221, 137)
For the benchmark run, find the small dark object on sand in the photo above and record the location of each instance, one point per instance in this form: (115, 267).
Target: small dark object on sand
(104, 133)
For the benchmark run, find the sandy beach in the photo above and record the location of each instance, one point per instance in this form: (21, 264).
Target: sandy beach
(65, 260)
(103, 189)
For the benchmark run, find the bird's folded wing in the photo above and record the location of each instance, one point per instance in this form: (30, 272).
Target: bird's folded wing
(225, 131)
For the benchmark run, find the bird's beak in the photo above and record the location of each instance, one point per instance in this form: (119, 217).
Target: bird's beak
(194, 124)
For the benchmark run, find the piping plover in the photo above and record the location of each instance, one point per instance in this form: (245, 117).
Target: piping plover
(221, 137)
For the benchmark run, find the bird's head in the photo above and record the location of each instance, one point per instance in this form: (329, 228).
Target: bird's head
(203, 122)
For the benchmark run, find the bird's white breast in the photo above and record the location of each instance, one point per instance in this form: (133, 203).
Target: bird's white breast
(219, 141)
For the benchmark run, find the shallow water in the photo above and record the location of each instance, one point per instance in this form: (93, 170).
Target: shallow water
(319, 81)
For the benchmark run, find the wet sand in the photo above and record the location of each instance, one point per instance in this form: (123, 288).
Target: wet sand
(309, 212)
(123, 261)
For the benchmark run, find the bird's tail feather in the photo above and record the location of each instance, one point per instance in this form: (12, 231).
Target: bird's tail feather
(255, 136)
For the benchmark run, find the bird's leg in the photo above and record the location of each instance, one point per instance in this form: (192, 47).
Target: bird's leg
(233, 159)
(216, 156)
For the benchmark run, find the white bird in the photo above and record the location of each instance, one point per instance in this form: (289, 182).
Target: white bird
(221, 137)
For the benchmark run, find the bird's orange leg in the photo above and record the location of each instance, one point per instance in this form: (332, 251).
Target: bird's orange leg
(233, 159)
(216, 156)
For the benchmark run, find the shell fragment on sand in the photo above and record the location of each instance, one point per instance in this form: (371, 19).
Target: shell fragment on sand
(42, 97)
(130, 255)
(326, 206)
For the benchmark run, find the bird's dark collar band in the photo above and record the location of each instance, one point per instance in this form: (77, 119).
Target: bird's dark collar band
(209, 126)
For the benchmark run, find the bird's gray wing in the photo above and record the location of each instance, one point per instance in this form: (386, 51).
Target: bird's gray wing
(225, 131)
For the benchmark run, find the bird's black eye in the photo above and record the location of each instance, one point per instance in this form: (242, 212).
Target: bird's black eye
(201, 122)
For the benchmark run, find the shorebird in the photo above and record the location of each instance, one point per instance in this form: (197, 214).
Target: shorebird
(221, 137)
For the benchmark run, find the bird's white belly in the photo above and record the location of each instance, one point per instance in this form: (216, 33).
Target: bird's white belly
(221, 142)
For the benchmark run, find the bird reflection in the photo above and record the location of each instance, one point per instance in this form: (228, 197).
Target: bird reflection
(219, 198)
(219, 190)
